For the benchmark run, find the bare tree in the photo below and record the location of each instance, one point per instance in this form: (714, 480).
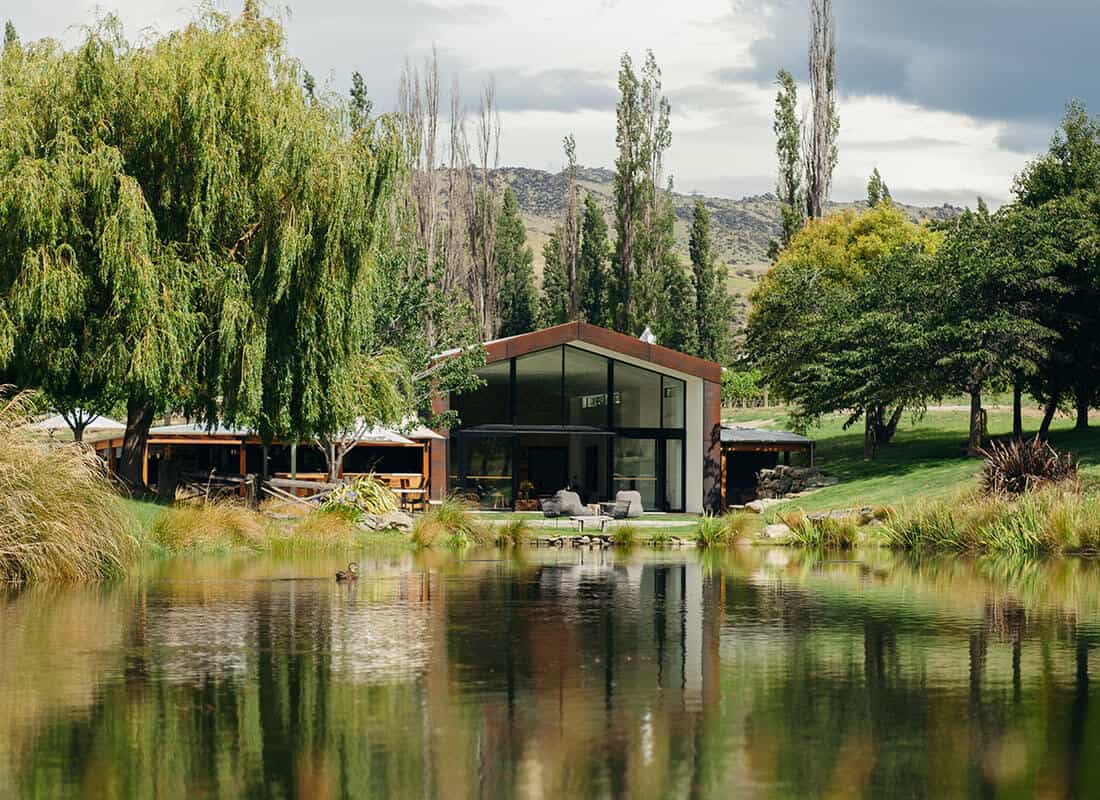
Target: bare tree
(419, 102)
(570, 239)
(483, 211)
(819, 141)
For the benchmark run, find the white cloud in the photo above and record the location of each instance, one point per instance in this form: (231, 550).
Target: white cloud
(550, 58)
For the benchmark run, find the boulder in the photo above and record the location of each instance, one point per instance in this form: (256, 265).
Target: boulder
(394, 521)
(758, 506)
(785, 480)
(776, 531)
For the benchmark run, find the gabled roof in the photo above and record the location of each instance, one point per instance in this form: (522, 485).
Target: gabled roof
(524, 343)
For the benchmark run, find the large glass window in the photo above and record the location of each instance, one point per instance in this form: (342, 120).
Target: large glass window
(635, 468)
(672, 405)
(674, 474)
(637, 397)
(585, 388)
(538, 388)
(486, 470)
(488, 404)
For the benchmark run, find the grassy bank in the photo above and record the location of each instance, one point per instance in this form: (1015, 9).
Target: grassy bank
(926, 460)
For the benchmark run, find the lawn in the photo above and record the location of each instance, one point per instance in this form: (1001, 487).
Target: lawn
(926, 460)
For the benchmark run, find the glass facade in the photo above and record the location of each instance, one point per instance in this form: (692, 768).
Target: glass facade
(585, 388)
(637, 397)
(572, 417)
(635, 469)
(538, 388)
(488, 404)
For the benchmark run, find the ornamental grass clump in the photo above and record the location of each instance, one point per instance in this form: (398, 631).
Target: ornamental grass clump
(363, 495)
(60, 518)
(716, 531)
(514, 533)
(1050, 520)
(828, 532)
(624, 535)
(217, 526)
(450, 524)
(1023, 465)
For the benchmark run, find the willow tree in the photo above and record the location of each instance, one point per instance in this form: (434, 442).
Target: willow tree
(202, 228)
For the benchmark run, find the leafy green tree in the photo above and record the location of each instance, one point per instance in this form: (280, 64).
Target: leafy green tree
(984, 307)
(554, 302)
(877, 190)
(10, 36)
(713, 305)
(788, 148)
(518, 296)
(216, 229)
(837, 325)
(1063, 188)
(593, 264)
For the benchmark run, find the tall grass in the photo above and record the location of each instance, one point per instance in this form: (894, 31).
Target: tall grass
(60, 518)
(450, 524)
(718, 531)
(1053, 520)
(624, 535)
(222, 525)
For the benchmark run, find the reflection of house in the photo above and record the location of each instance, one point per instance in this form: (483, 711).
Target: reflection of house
(232, 451)
(583, 406)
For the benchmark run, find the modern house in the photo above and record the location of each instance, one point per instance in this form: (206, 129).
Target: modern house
(584, 407)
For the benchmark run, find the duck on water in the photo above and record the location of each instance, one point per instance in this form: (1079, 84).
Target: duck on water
(350, 574)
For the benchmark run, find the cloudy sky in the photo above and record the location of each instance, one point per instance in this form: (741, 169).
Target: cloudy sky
(948, 98)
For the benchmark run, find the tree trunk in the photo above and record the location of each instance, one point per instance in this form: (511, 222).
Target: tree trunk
(78, 431)
(1048, 417)
(139, 418)
(974, 443)
(1082, 404)
(1017, 409)
(870, 447)
(884, 432)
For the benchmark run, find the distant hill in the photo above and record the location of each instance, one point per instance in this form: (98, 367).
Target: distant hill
(741, 228)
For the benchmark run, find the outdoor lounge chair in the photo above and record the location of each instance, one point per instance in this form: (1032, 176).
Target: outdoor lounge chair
(628, 505)
(569, 504)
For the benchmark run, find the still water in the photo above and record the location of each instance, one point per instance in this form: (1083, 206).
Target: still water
(752, 673)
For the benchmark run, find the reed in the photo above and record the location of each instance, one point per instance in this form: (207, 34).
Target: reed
(450, 524)
(60, 518)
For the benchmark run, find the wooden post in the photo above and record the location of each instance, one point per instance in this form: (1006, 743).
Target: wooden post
(145, 466)
(263, 467)
(243, 462)
(294, 460)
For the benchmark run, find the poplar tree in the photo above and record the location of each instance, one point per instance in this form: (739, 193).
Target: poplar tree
(593, 264)
(554, 303)
(819, 143)
(195, 228)
(713, 311)
(518, 297)
(877, 190)
(789, 152)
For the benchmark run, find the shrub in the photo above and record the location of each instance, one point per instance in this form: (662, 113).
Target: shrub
(624, 535)
(363, 495)
(450, 523)
(714, 531)
(1021, 465)
(60, 518)
(220, 525)
(514, 532)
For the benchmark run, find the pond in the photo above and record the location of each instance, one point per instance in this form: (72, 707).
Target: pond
(553, 674)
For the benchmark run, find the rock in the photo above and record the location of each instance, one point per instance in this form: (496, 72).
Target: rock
(395, 521)
(758, 506)
(585, 540)
(776, 531)
(785, 480)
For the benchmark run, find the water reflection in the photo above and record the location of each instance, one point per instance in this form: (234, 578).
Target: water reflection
(771, 673)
